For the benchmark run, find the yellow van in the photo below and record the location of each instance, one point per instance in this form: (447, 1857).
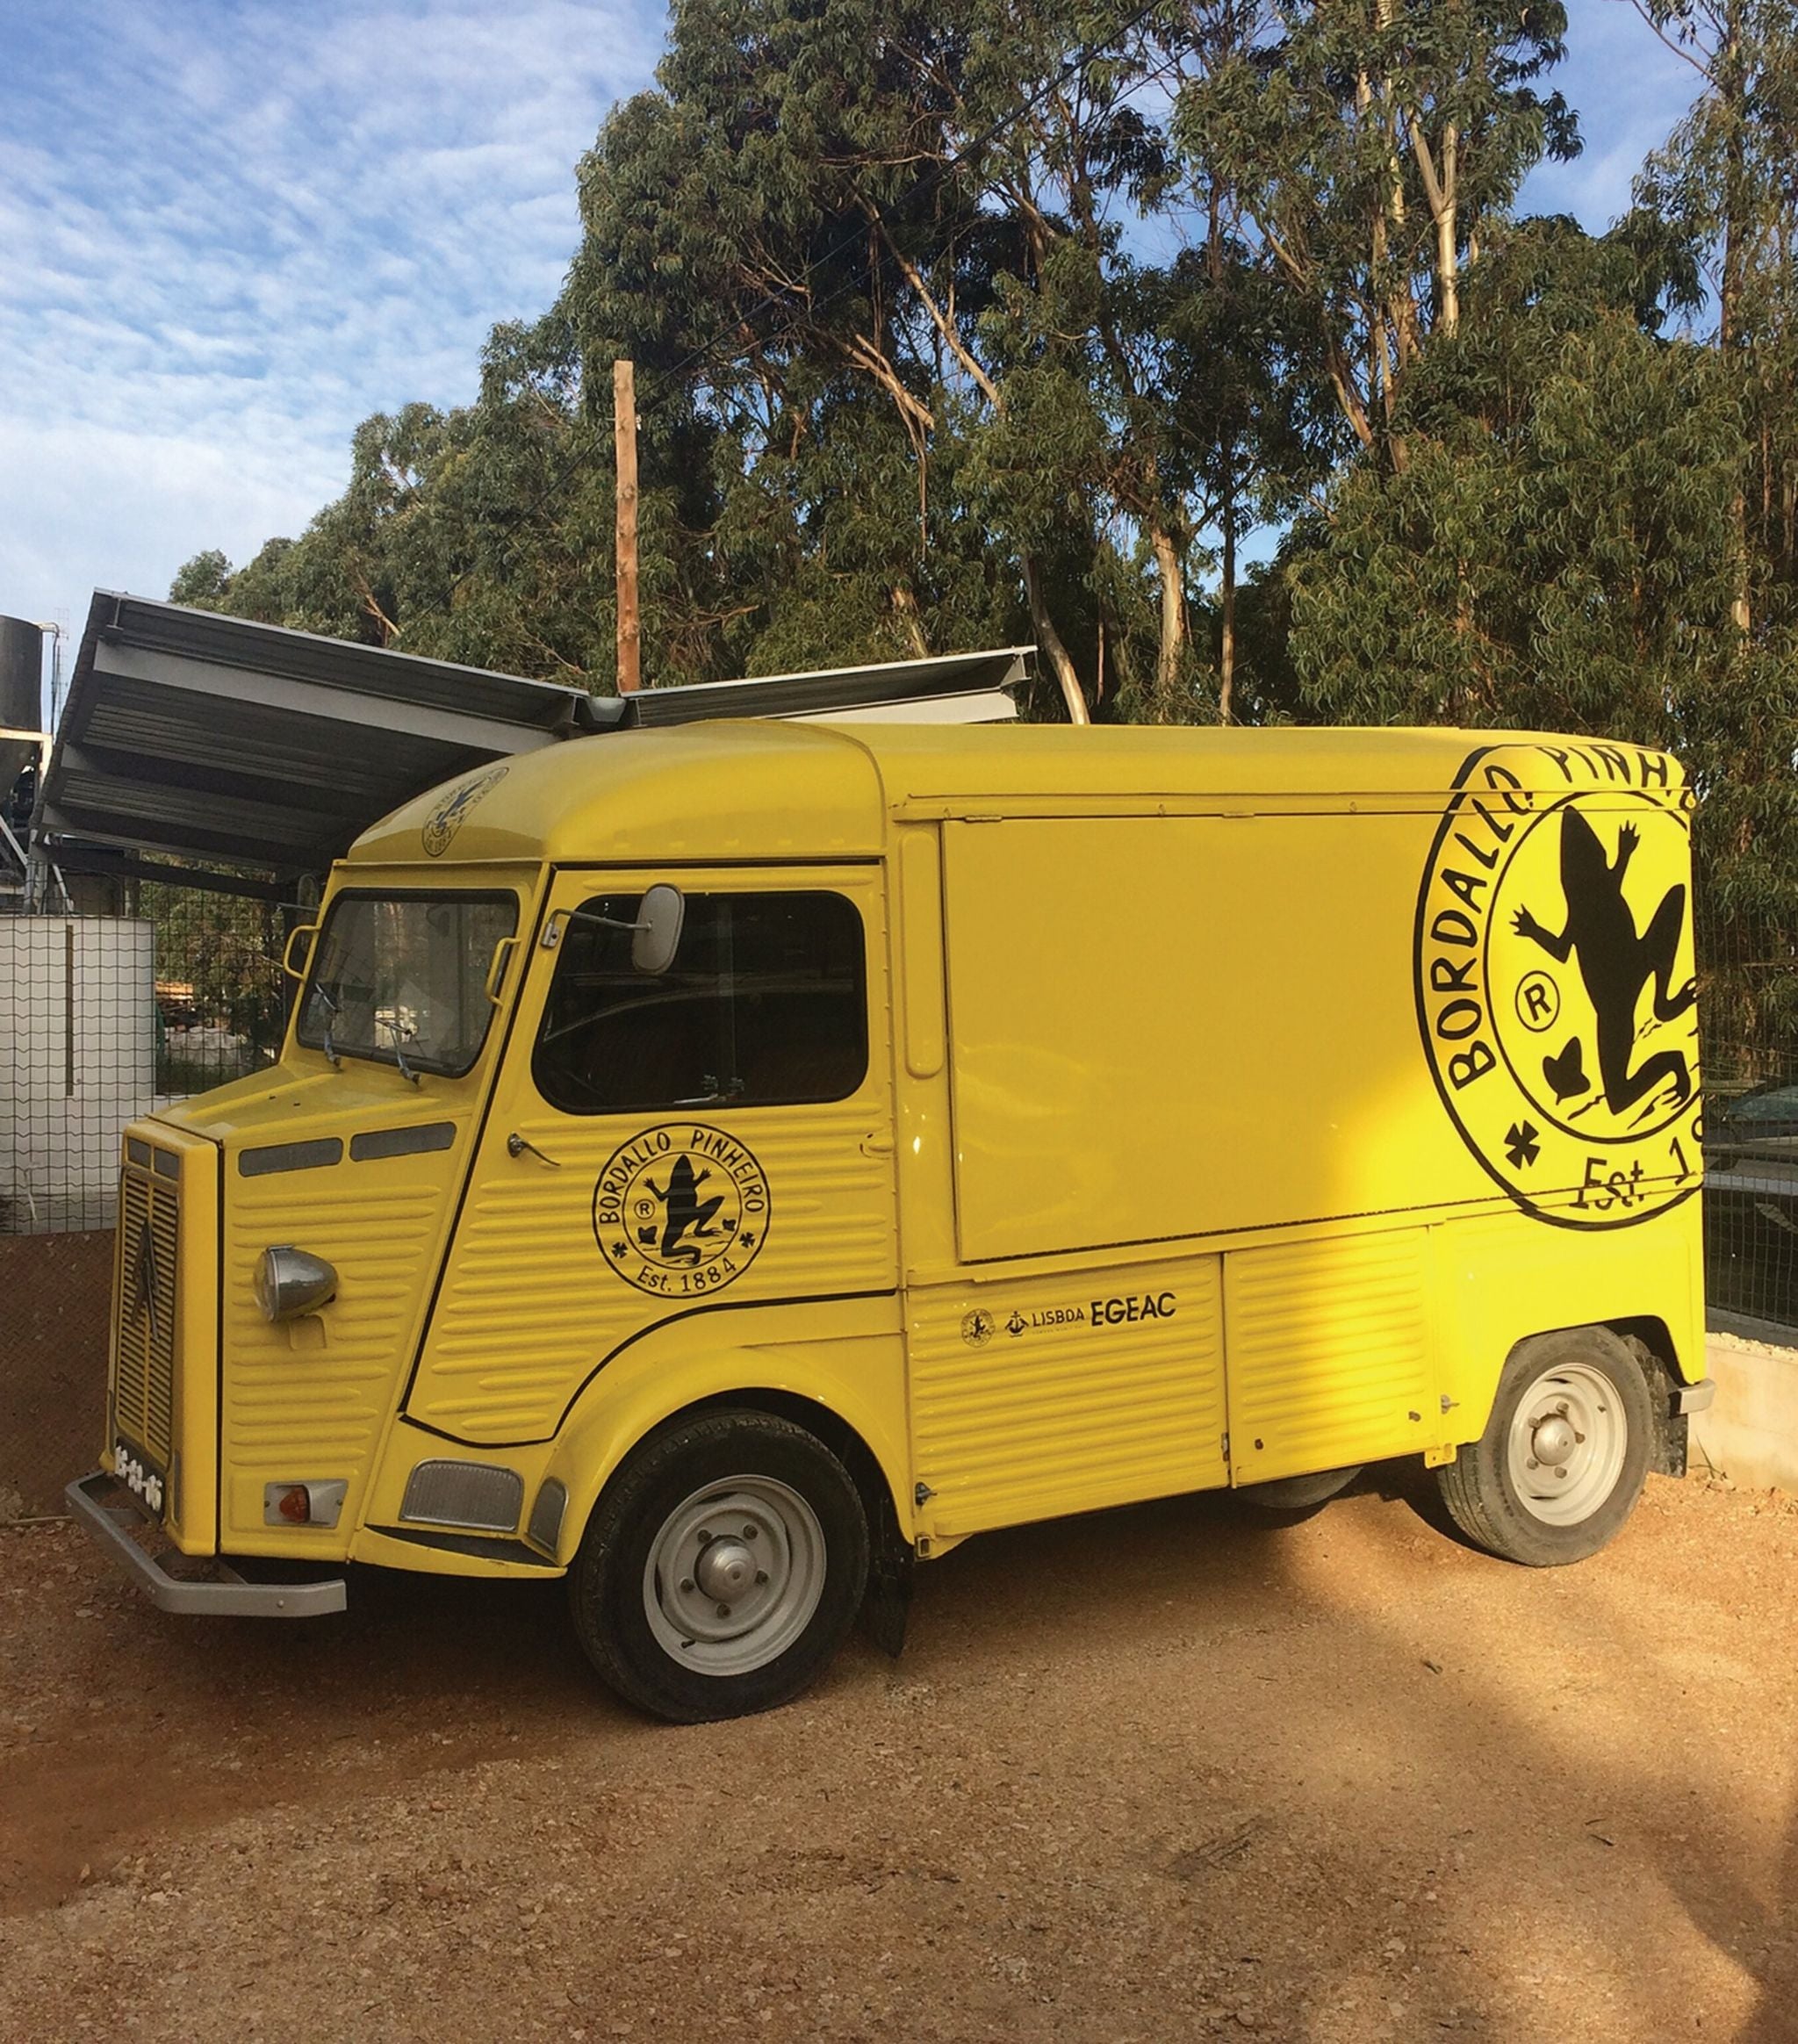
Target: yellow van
(722, 1164)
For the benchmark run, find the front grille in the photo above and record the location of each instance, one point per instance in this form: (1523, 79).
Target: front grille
(143, 1380)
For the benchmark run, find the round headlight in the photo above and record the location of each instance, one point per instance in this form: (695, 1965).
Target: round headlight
(289, 1283)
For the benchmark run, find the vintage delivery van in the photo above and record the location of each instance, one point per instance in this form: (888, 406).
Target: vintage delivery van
(722, 1164)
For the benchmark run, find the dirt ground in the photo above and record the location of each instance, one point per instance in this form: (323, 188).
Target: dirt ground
(55, 1294)
(1172, 1772)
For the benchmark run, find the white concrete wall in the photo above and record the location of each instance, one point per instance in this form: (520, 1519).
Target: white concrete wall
(77, 1062)
(1750, 1434)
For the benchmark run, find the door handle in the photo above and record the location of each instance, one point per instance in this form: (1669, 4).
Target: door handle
(876, 1145)
(516, 1145)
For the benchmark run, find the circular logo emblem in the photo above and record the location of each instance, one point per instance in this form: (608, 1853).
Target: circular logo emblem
(1555, 984)
(977, 1328)
(680, 1210)
(446, 819)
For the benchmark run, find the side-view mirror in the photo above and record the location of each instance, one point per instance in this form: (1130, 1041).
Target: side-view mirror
(659, 920)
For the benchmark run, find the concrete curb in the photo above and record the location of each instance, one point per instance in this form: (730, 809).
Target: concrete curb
(1750, 1434)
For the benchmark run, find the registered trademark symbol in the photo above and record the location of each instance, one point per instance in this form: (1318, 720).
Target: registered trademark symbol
(1538, 1001)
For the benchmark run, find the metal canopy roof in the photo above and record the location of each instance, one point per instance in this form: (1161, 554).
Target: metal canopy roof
(217, 738)
(222, 741)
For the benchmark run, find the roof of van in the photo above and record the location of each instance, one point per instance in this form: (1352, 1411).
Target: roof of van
(767, 789)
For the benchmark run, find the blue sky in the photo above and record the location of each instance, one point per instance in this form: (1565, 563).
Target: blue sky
(230, 229)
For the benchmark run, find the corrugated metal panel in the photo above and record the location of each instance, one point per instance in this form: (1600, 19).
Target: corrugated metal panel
(313, 1399)
(1026, 1404)
(216, 737)
(1329, 1353)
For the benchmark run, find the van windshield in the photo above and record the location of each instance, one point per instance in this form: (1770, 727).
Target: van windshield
(401, 978)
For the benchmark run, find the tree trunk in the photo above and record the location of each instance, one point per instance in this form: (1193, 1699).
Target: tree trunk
(906, 607)
(1732, 88)
(1053, 651)
(1173, 641)
(625, 443)
(1226, 651)
(1447, 276)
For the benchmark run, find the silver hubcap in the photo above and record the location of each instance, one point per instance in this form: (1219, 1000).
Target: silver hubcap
(1567, 1441)
(734, 1575)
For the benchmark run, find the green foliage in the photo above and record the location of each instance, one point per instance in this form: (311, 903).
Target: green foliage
(1557, 551)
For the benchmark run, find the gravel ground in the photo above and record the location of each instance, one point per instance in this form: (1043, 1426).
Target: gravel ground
(1173, 1772)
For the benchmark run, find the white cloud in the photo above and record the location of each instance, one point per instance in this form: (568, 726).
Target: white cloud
(230, 233)
(1630, 92)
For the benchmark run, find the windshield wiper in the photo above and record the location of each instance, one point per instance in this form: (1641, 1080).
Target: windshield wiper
(405, 1071)
(332, 1058)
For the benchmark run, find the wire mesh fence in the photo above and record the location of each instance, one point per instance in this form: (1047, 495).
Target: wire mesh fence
(220, 995)
(1748, 991)
(107, 1018)
(77, 1013)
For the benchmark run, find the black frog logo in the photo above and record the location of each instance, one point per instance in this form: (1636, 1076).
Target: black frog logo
(681, 1209)
(1616, 966)
(687, 1222)
(1555, 990)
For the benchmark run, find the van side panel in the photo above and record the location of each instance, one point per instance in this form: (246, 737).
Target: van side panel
(1049, 1391)
(1176, 1026)
(1331, 1353)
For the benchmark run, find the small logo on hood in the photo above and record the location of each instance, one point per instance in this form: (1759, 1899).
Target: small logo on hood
(447, 818)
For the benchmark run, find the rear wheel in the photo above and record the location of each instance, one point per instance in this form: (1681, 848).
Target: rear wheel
(721, 1568)
(1565, 1454)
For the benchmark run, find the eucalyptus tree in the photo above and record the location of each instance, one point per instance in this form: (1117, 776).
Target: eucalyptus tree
(1724, 181)
(1372, 145)
(1556, 550)
(898, 231)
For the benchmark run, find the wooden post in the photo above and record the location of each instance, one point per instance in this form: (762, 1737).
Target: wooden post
(624, 434)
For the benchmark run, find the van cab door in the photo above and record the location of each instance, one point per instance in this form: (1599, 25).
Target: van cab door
(715, 1137)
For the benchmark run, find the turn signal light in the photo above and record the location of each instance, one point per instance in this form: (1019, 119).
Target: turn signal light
(304, 1504)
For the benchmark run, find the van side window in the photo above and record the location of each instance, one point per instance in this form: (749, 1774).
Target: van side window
(764, 1005)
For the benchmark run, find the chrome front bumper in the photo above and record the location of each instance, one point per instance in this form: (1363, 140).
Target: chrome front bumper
(223, 1594)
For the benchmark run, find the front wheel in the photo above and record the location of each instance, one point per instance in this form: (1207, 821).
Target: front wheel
(721, 1568)
(1565, 1454)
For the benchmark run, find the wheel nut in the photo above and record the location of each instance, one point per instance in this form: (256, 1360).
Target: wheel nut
(749, 1532)
(723, 1610)
(687, 1583)
(1561, 1472)
(1534, 1463)
(761, 1575)
(705, 1538)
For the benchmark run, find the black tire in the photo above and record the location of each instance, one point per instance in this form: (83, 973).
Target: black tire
(1300, 1493)
(1481, 1488)
(661, 1488)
